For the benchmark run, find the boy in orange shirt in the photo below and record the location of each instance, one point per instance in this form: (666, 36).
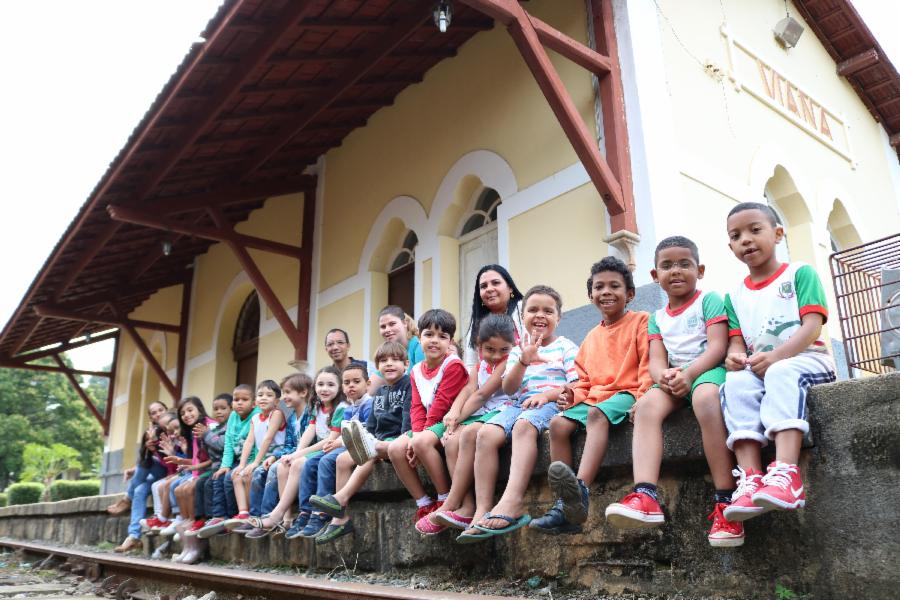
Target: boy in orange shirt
(613, 372)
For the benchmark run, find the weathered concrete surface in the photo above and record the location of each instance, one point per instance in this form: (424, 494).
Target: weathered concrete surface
(844, 544)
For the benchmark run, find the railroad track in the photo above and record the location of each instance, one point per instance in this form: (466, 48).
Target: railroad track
(98, 565)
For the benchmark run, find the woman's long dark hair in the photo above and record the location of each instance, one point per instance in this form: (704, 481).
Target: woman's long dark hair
(188, 432)
(479, 310)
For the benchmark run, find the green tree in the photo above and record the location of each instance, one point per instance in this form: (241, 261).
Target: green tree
(44, 464)
(41, 407)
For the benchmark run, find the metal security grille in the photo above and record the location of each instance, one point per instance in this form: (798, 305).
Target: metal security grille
(867, 288)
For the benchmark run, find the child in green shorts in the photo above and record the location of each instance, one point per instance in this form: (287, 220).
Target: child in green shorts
(688, 341)
(436, 381)
(612, 366)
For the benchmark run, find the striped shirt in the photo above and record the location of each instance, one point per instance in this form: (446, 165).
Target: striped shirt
(556, 372)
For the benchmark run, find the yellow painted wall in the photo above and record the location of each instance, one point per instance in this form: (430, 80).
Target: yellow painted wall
(426, 277)
(548, 246)
(484, 98)
(346, 313)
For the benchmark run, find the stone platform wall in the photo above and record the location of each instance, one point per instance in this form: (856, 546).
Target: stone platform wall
(843, 545)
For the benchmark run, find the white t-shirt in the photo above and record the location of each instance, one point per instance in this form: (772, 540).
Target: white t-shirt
(470, 355)
(683, 330)
(499, 400)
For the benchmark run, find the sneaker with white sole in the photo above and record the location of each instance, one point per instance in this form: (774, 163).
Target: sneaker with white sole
(742, 507)
(363, 443)
(636, 510)
(724, 533)
(355, 452)
(781, 488)
(574, 494)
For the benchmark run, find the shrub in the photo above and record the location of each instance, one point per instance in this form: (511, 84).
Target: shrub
(24, 493)
(2, 500)
(64, 489)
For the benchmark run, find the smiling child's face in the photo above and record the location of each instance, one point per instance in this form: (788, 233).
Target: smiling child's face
(435, 344)
(266, 399)
(189, 414)
(610, 295)
(326, 387)
(541, 316)
(677, 272)
(155, 411)
(752, 239)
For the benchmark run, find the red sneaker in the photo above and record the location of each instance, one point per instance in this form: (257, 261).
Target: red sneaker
(635, 510)
(424, 511)
(155, 523)
(781, 489)
(741, 507)
(724, 533)
(195, 527)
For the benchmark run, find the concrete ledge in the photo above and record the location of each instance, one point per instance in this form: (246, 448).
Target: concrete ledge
(842, 545)
(87, 504)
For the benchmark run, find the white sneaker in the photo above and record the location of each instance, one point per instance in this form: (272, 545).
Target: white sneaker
(170, 530)
(362, 444)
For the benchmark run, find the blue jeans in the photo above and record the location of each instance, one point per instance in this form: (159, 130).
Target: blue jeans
(257, 488)
(139, 491)
(155, 471)
(270, 493)
(319, 475)
(224, 504)
(203, 497)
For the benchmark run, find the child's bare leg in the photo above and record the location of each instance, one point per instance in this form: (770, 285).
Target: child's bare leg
(487, 464)
(164, 498)
(345, 466)
(451, 450)
(708, 411)
(787, 446)
(240, 493)
(355, 483)
(460, 498)
(748, 454)
(407, 475)
(425, 445)
(524, 455)
(184, 494)
(283, 474)
(561, 430)
(647, 442)
(594, 446)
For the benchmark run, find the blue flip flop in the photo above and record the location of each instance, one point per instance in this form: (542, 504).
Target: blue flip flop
(513, 523)
(471, 538)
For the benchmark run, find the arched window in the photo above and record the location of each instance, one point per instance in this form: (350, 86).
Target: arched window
(402, 275)
(246, 341)
(484, 211)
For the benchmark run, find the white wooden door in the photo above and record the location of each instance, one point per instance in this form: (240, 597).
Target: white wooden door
(476, 249)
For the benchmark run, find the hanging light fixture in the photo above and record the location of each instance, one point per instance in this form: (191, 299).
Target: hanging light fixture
(167, 247)
(443, 14)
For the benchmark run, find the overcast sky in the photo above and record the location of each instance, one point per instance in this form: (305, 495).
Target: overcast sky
(78, 77)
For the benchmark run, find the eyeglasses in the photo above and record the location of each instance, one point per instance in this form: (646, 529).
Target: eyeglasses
(332, 344)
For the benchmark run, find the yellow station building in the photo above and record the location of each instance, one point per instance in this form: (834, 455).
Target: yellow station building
(470, 166)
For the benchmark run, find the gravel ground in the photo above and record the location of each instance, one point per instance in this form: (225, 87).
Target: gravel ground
(11, 564)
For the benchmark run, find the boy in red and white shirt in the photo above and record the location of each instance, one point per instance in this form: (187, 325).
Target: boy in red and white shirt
(776, 351)
(436, 381)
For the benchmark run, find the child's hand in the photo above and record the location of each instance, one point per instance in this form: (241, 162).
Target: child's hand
(632, 410)
(736, 361)
(680, 384)
(220, 472)
(183, 468)
(167, 445)
(287, 459)
(332, 444)
(451, 419)
(566, 397)
(761, 361)
(529, 346)
(536, 401)
(175, 460)
(200, 429)
(268, 462)
(411, 457)
(128, 473)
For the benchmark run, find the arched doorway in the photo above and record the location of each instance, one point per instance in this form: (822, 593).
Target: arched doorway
(245, 347)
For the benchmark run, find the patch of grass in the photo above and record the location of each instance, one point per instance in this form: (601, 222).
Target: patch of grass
(783, 592)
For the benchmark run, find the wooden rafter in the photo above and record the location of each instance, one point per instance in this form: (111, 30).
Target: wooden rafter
(304, 294)
(386, 44)
(181, 359)
(17, 364)
(80, 391)
(53, 312)
(147, 219)
(265, 43)
(66, 346)
(151, 360)
(530, 36)
(266, 294)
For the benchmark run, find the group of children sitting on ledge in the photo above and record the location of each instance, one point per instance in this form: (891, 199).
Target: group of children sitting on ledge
(287, 459)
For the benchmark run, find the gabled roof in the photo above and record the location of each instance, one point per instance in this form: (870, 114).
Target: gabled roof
(275, 85)
(859, 57)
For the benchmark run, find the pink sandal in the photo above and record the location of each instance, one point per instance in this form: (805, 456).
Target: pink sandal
(426, 527)
(451, 519)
